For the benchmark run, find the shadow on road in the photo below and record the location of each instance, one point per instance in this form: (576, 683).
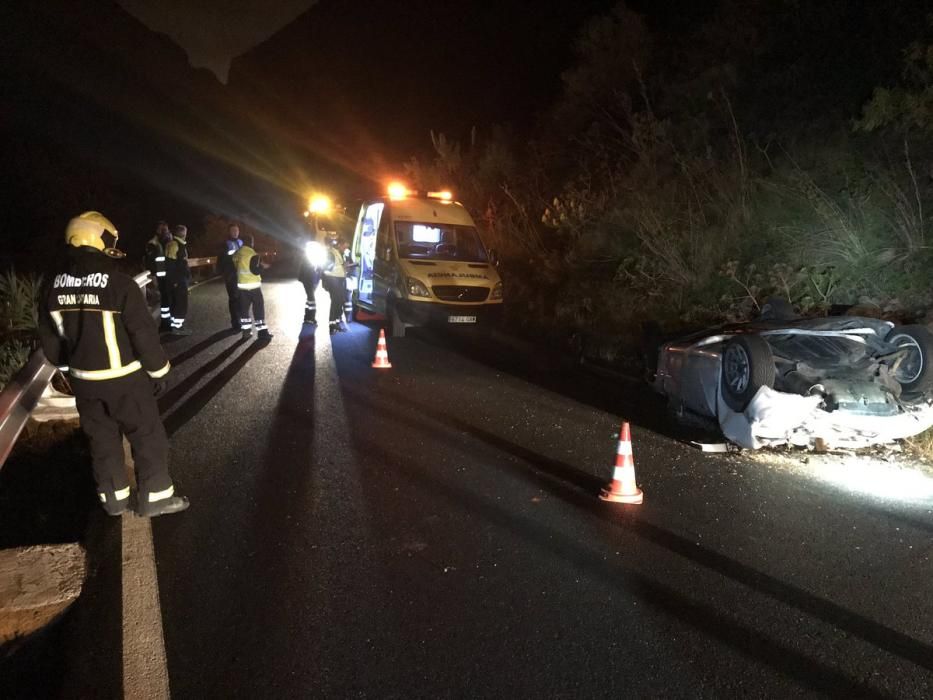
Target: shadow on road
(194, 350)
(199, 399)
(579, 488)
(173, 395)
(703, 617)
(268, 573)
(46, 489)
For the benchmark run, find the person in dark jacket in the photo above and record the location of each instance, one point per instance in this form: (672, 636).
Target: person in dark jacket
(228, 272)
(176, 261)
(155, 263)
(94, 325)
(249, 286)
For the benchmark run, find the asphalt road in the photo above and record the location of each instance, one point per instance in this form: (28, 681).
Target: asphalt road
(433, 530)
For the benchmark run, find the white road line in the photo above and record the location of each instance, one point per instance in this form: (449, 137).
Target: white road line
(145, 670)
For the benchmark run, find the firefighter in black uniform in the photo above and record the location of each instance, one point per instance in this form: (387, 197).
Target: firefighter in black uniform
(155, 263)
(176, 261)
(335, 282)
(227, 270)
(94, 324)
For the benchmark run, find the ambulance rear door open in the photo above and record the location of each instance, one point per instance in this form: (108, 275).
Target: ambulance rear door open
(365, 251)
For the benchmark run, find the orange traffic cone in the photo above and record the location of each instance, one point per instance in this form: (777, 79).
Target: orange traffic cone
(623, 488)
(381, 360)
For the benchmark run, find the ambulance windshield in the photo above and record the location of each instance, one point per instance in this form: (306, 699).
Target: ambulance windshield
(434, 241)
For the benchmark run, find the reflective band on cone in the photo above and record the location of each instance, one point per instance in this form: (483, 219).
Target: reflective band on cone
(623, 488)
(381, 360)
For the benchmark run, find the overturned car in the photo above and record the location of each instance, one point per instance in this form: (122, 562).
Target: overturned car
(846, 381)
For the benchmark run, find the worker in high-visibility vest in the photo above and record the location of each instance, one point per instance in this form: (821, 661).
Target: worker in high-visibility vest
(94, 325)
(179, 276)
(335, 282)
(248, 267)
(155, 263)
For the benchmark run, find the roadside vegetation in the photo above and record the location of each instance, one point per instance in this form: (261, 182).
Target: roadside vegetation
(686, 182)
(19, 295)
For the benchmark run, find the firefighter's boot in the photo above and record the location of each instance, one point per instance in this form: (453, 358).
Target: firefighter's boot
(165, 506)
(115, 502)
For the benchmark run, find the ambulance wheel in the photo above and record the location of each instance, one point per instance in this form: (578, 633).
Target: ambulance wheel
(396, 327)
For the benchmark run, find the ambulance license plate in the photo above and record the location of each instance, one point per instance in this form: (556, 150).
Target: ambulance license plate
(461, 319)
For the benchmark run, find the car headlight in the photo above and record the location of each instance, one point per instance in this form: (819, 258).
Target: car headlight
(496, 291)
(315, 253)
(417, 288)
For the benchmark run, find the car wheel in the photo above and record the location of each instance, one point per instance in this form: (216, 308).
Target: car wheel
(396, 326)
(747, 365)
(914, 372)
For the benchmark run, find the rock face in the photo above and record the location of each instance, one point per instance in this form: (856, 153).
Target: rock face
(37, 584)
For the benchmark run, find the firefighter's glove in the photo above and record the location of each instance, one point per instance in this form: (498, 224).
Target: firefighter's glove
(159, 386)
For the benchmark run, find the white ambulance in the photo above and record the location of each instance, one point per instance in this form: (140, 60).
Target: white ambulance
(420, 260)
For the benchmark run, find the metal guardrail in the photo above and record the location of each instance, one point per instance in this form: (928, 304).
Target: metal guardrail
(19, 398)
(202, 269)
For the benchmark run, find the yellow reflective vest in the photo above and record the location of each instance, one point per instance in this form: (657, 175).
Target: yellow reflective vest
(334, 265)
(246, 278)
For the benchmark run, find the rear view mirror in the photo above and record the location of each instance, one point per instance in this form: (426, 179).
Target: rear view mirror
(494, 257)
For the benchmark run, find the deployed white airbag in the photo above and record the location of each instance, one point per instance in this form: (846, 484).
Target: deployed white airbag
(775, 418)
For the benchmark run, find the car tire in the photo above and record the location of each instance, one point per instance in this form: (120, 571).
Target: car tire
(915, 373)
(396, 326)
(747, 365)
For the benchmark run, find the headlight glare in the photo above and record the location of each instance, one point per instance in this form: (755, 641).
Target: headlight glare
(315, 253)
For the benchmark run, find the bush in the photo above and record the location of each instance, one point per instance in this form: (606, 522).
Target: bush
(19, 296)
(643, 195)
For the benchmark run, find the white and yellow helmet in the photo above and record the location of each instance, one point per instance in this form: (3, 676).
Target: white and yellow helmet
(95, 230)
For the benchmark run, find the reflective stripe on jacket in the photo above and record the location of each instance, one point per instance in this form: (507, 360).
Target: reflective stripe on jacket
(155, 256)
(246, 263)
